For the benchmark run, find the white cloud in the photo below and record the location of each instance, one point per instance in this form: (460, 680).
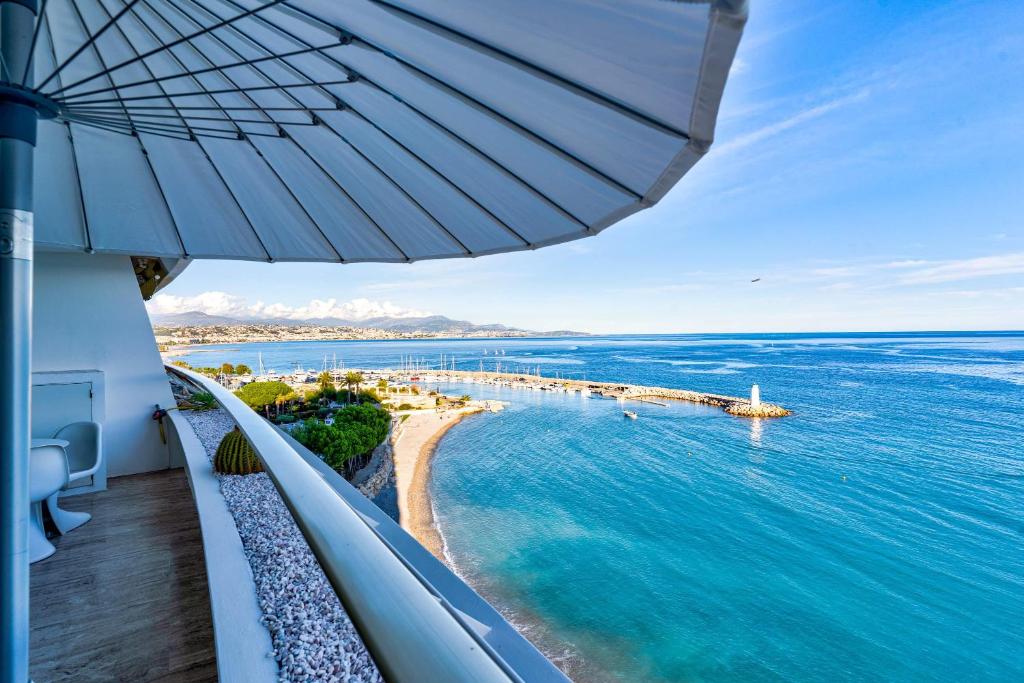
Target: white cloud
(773, 129)
(967, 269)
(739, 66)
(233, 306)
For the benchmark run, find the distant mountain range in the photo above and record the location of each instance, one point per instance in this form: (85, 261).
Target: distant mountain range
(432, 324)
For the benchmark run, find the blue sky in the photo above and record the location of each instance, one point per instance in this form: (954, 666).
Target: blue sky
(868, 167)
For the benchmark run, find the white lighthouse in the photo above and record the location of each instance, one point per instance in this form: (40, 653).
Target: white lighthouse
(755, 396)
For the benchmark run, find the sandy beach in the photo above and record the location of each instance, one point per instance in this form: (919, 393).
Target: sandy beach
(413, 451)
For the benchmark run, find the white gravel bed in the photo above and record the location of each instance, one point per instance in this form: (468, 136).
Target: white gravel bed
(313, 637)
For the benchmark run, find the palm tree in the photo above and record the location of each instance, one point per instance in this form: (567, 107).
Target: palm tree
(279, 401)
(350, 379)
(355, 378)
(325, 380)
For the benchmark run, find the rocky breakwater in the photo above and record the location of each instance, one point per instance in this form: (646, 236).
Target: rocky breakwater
(730, 404)
(734, 405)
(746, 409)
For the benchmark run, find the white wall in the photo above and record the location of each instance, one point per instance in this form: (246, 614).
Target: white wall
(88, 314)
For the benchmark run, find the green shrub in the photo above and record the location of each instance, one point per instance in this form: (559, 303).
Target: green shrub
(357, 430)
(286, 419)
(235, 455)
(405, 406)
(203, 400)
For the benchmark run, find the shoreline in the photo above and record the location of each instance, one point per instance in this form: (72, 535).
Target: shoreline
(413, 451)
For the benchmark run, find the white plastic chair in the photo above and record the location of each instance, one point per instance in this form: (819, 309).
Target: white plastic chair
(84, 457)
(47, 474)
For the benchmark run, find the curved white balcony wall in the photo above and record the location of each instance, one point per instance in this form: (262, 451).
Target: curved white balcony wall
(88, 315)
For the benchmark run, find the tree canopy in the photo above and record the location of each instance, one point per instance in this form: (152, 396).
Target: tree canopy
(357, 430)
(258, 395)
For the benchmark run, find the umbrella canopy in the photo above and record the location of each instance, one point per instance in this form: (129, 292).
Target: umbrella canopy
(320, 130)
(389, 130)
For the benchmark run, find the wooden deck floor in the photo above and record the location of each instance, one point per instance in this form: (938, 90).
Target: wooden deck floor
(125, 598)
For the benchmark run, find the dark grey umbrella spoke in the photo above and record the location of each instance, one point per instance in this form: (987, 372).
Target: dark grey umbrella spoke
(217, 107)
(256, 149)
(433, 219)
(383, 231)
(120, 126)
(525, 130)
(547, 73)
(165, 127)
(188, 74)
(142, 147)
(143, 115)
(91, 38)
(348, 106)
(163, 47)
(203, 92)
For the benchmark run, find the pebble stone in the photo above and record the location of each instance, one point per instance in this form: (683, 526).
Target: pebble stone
(314, 640)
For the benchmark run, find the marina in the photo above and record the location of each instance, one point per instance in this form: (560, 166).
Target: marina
(418, 371)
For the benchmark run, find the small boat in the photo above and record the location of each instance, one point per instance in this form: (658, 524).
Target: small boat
(629, 413)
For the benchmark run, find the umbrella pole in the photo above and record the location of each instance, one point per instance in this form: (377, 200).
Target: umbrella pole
(17, 144)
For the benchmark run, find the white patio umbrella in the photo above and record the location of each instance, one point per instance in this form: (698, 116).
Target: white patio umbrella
(319, 130)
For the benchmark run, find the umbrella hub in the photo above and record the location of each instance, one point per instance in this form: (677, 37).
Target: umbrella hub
(19, 110)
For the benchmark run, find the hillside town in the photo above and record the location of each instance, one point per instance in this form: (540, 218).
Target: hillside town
(174, 335)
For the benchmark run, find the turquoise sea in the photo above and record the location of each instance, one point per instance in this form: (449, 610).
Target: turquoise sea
(876, 534)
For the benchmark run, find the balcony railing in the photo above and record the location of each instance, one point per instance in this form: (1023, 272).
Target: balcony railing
(418, 620)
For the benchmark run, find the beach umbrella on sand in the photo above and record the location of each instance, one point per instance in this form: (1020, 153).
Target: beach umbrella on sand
(319, 130)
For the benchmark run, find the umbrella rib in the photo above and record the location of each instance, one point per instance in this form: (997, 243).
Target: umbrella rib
(142, 146)
(145, 115)
(187, 74)
(218, 107)
(163, 46)
(579, 163)
(458, 188)
(584, 90)
(153, 126)
(85, 46)
(397, 186)
(270, 166)
(441, 175)
(213, 166)
(373, 222)
(352, 199)
(437, 172)
(203, 92)
(120, 127)
(32, 45)
(74, 151)
(532, 135)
